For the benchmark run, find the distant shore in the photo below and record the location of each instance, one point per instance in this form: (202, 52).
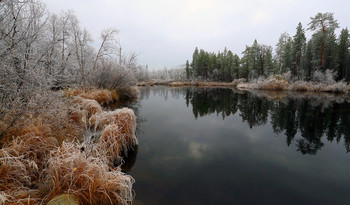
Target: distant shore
(273, 83)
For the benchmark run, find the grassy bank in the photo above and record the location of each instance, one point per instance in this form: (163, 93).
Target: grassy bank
(70, 146)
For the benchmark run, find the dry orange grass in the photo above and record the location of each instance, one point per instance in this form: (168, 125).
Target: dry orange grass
(88, 177)
(23, 160)
(76, 116)
(74, 92)
(50, 124)
(91, 107)
(34, 168)
(23, 163)
(125, 118)
(102, 96)
(115, 139)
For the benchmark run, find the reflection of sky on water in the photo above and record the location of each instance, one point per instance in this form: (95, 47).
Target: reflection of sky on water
(211, 160)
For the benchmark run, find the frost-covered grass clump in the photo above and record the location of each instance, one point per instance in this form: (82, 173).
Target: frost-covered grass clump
(38, 163)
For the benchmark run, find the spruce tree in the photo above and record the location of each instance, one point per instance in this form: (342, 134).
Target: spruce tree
(308, 66)
(283, 53)
(187, 70)
(344, 56)
(194, 63)
(299, 43)
(330, 53)
(236, 66)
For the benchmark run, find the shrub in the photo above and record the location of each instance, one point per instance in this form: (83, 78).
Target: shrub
(328, 77)
(113, 76)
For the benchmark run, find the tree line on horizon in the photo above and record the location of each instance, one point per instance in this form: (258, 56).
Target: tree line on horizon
(295, 54)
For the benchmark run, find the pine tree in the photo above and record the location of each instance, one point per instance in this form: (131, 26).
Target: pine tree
(194, 63)
(283, 53)
(308, 66)
(344, 55)
(268, 62)
(187, 70)
(299, 43)
(330, 53)
(325, 22)
(236, 66)
(246, 63)
(230, 61)
(287, 57)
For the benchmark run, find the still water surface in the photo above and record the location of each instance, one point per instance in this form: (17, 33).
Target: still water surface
(220, 146)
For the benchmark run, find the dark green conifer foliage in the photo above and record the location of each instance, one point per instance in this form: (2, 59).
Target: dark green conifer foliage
(344, 56)
(299, 44)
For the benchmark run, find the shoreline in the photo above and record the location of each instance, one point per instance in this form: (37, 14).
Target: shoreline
(298, 86)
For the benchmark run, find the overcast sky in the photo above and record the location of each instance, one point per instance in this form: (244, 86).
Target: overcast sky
(164, 33)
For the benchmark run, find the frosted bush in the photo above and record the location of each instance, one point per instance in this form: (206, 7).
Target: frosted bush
(287, 76)
(328, 77)
(113, 76)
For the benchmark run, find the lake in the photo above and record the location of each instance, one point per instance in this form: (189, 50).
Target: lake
(224, 146)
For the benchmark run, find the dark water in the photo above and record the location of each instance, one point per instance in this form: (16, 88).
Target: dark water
(219, 146)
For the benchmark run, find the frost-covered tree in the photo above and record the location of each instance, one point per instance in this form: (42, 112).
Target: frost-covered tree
(40, 52)
(247, 63)
(308, 66)
(323, 22)
(344, 55)
(236, 66)
(187, 70)
(298, 49)
(283, 53)
(82, 49)
(107, 47)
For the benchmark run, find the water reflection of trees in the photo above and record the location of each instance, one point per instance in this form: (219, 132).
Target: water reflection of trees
(313, 116)
(206, 101)
(314, 121)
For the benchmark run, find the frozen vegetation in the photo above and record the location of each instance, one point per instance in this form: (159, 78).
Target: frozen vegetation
(56, 136)
(322, 82)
